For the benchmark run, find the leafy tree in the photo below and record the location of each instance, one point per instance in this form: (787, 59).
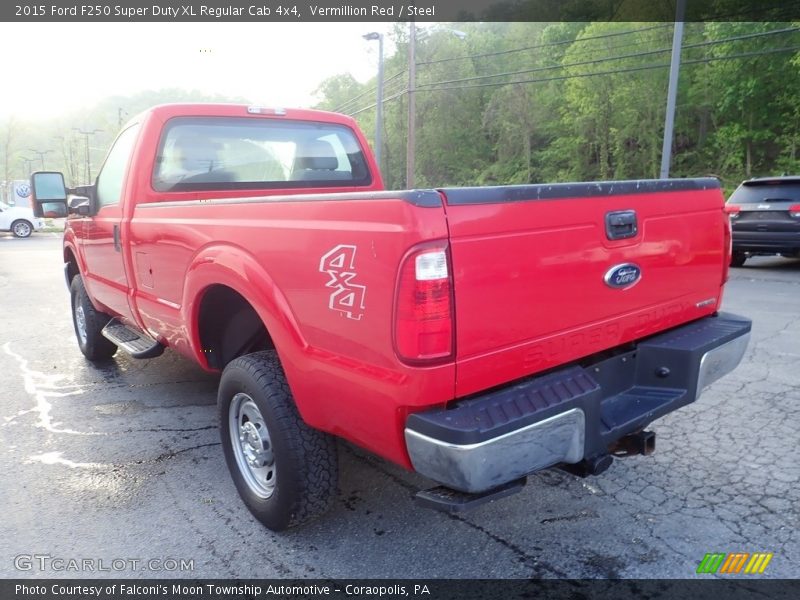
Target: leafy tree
(754, 97)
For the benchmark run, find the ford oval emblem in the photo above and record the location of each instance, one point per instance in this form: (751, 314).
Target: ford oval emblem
(622, 277)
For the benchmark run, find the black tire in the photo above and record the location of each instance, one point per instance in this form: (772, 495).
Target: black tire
(304, 459)
(738, 258)
(93, 345)
(22, 228)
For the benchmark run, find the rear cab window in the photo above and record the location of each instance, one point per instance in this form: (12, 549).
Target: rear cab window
(224, 153)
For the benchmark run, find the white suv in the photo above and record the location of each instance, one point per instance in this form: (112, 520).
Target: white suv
(19, 220)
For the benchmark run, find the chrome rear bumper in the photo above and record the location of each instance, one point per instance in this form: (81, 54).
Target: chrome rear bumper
(565, 417)
(482, 466)
(720, 361)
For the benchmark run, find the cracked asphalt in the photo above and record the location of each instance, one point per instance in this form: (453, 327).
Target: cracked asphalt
(123, 462)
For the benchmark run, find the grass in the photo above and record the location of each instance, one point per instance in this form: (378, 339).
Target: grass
(53, 226)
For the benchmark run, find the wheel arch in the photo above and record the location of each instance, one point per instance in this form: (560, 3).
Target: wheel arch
(71, 262)
(226, 288)
(228, 326)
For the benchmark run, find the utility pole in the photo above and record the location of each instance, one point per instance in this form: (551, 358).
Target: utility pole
(672, 92)
(41, 155)
(68, 156)
(412, 98)
(86, 135)
(120, 113)
(27, 163)
(412, 104)
(379, 106)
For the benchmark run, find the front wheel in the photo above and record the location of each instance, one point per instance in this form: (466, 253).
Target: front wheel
(738, 258)
(21, 228)
(88, 323)
(285, 471)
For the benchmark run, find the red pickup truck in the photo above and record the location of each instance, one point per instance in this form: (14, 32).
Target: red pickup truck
(474, 335)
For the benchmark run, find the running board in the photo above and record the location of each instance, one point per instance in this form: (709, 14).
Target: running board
(133, 341)
(449, 500)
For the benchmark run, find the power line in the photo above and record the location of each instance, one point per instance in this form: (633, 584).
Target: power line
(546, 45)
(387, 81)
(613, 58)
(616, 71)
(395, 92)
(368, 91)
(343, 107)
(631, 44)
(374, 104)
(441, 85)
(347, 105)
(398, 83)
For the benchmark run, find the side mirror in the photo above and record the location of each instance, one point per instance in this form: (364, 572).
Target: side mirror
(48, 189)
(80, 205)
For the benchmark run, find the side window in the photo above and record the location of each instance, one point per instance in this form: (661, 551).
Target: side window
(109, 182)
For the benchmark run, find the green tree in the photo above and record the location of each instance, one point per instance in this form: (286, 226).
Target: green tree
(754, 98)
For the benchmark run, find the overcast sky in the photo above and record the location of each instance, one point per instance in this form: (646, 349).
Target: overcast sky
(51, 68)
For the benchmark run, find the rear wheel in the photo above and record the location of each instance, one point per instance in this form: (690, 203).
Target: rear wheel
(285, 471)
(88, 323)
(738, 258)
(22, 228)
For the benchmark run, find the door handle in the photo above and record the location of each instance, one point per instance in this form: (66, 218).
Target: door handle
(117, 245)
(621, 225)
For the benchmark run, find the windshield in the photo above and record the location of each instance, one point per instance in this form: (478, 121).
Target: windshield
(237, 153)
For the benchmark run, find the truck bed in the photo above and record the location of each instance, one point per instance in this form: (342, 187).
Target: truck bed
(529, 269)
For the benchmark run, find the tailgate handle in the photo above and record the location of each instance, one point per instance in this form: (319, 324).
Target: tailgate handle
(621, 224)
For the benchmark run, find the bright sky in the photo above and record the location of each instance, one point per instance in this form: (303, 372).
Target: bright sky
(50, 68)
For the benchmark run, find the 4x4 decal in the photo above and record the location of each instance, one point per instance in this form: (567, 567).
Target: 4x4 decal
(347, 297)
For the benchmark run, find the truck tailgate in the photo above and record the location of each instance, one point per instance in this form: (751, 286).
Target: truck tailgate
(548, 274)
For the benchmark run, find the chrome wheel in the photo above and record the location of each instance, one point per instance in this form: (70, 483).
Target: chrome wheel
(80, 322)
(252, 446)
(284, 470)
(22, 229)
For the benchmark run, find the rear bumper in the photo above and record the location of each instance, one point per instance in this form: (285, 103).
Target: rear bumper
(766, 241)
(576, 413)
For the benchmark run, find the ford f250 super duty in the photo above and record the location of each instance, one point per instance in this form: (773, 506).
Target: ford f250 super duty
(474, 335)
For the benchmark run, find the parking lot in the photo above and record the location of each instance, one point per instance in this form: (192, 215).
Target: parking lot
(123, 462)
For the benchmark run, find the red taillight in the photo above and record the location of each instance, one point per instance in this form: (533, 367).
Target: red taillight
(728, 246)
(794, 211)
(424, 305)
(733, 210)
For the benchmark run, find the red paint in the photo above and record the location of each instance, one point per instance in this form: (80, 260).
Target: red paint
(529, 289)
(524, 290)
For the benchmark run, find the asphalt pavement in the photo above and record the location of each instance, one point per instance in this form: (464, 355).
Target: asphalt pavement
(123, 463)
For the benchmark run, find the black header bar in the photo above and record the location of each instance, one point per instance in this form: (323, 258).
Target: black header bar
(321, 11)
(733, 588)
(557, 191)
